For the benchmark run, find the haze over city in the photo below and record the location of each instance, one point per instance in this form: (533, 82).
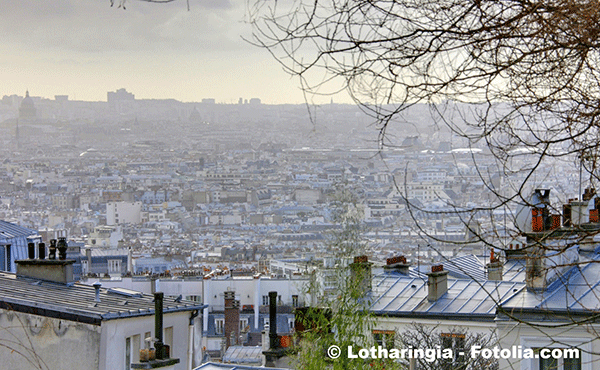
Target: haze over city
(83, 49)
(170, 198)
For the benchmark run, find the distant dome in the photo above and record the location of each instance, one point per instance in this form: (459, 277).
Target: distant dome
(27, 108)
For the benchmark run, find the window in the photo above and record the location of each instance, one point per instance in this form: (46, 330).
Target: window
(384, 338)
(559, 363)
(219, 325)
(265, 300)
(243, 324)
(135, 348)
(128, 353)
(8, 258)
(291, 323)
(295, 300)
(455, 341)
(114, 266)
(84, 267)
(548, 364)
(168, 338)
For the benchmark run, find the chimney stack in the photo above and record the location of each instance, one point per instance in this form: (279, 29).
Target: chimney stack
(438, 283)
(58, 271)
(49, 270)
(398, 264)
(494, 268)
(543, 266)
(232, 319)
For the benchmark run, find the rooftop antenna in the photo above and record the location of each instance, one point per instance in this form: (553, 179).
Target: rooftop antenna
(418, 259)
(580, 174)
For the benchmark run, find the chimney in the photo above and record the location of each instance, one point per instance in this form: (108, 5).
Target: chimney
(232, 319)
(42, 251)
(274, 356)
(567, 213)
(88, 256)
(542, 268)
(438, 283)
(158, 326)
(398, 264)
(361, 275)
(578, 213)
(97, 286)
(58, 271)
(52, 254)
(162, 351)
(31, 251)
(273, 340)
(62, 248)
(494, 268)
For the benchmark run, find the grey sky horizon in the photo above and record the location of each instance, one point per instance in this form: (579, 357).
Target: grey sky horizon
(156, 51)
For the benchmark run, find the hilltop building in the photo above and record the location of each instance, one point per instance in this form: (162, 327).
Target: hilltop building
(27, 111)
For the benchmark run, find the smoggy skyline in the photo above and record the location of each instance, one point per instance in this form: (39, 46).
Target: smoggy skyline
(156, 51)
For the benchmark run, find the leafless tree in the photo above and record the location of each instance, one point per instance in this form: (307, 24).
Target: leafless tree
(519, 80)
(522, 75)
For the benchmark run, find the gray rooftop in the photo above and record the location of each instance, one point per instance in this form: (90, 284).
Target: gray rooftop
(9, 231)
(243, 355)
(397, 295)
(575, 291)
(76, 302)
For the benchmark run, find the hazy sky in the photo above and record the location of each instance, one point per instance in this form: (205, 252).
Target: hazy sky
(84, 48)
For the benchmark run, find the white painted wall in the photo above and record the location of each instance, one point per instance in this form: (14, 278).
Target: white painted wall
(118, 213)
(32, 342)
(115, 332)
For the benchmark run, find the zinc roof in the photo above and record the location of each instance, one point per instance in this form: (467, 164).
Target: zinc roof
(403, 295)
(576, 290)
(9, 231)
(76, 302)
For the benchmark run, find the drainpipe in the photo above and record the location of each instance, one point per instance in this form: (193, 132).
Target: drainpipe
(256, 302)
(193, 315)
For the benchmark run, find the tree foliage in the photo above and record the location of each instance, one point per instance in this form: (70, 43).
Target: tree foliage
(340, 315)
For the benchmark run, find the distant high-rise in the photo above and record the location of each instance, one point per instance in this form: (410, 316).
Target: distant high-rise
(27, 109)
(119, 95)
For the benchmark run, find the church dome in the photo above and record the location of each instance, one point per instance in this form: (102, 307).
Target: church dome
(27, 108)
